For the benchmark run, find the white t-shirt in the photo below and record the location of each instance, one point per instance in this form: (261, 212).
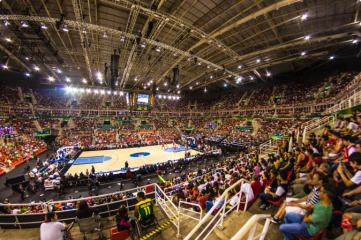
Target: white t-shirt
(234, 200)
(357, 178)
(51, 231)
(353, 126)
(280, 191)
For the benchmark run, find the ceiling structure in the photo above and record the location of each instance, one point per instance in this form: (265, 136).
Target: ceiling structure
(213, 43)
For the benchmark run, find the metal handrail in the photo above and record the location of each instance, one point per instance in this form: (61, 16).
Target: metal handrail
(250, 227)
(221, 211)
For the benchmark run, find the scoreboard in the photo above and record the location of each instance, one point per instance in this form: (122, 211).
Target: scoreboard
(140, 101)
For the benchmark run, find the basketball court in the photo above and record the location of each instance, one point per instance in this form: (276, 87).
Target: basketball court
(114, 160)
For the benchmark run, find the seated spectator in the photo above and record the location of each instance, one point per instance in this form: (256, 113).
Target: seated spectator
(144, 208)
(84, 211)
(281, 190)
(301, 205)
(123, 220)
(311, 224)
(52, 229)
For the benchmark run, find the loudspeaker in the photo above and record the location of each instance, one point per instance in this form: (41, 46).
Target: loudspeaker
(114, 65)
(112, 83)
(149, 30)
(175, 76)
(105, 73)
(154, 89)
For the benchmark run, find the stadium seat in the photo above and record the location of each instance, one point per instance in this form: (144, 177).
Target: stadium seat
(116, 235)
(276, 203)
(148, 189)
(317, 237)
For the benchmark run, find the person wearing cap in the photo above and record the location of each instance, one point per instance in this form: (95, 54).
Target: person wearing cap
(51, 229)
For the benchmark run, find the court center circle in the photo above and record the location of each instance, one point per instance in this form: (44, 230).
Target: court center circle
(140, 154)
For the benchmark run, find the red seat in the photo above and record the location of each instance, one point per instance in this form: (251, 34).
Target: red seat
(277, 203)
(116, 235)
(316, 237)
(148, 189)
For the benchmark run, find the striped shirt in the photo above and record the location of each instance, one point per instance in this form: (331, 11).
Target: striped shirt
(313, 198)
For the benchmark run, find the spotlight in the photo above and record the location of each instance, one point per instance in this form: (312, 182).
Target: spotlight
(208, 66)
(105, 35)
(355, 41)
(268, 74)
(58, 70)
(190, 87)
(304, 17)
(27, 74)
(251, 78)
(122, 39)
(67, 79)
(332, 57)
(83, 31)
(307, 37)
(136, 79)
(303, 53)
(178, 92)
(26, 58)
(239, 66)
(4, 67)
(142, 45)
(24, 24)
(197, 83)
(6, 23)
(225, 85)
(8, 39)
(205, 89)
(258, 60)
(157, 49)
(88, 90)
(211, 76)
(165, 84)
(199, 63)
(36, 68)
(65, 29)
(84, 80)
(51, 79)
(43, 26)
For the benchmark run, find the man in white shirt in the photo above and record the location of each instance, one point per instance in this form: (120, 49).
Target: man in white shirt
(52, 229)
(351, 126)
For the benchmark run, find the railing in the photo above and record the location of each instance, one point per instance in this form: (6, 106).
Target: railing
(315, 125)
(250, 228)
(167, 205)
(222, 213)
(267, 145)
(34, 220)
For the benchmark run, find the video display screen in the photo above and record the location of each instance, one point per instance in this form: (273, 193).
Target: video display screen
(6, 131)
(143, 99)
(211, 125)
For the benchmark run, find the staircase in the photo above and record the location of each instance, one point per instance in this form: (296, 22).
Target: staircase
(270, 146)
(21, 95)
(37, 125)
(248, 98)
(33, 98)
